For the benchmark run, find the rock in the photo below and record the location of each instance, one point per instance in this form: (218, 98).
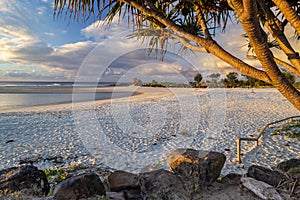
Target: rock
(43, 198)
(120, 180)
(264, 174)
(203, 167)
(115, 195)
(80, 186)
(287, 165)
(148, 168)
(231, 179)
(9, 141)
(294, 172)
(27, 180)
(133, 194)
(223, 191)
(261, 189)
(162, 184)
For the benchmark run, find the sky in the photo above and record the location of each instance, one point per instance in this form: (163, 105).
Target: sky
(35, 46)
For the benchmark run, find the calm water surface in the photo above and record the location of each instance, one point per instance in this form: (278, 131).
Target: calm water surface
(8, 101)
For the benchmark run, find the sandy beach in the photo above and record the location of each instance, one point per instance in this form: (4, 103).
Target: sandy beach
(134, 132)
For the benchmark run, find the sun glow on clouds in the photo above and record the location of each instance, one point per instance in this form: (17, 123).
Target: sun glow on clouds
(114, 43)
(21, 46)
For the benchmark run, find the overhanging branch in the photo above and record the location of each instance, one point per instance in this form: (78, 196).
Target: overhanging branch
(210, 45)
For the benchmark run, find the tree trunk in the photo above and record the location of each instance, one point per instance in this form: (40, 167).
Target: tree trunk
(290, 14)
(277, 33)
(250, 23)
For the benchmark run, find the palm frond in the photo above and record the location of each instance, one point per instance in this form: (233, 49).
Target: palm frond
(183, 13)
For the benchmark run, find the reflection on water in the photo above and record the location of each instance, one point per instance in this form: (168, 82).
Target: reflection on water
(8, 101)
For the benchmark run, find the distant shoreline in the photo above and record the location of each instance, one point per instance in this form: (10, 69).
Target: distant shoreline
(28, 96)
(110, 94)
(126, 93)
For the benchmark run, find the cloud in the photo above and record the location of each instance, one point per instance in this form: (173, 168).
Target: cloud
(68, 56)
(49, 34)
(13, 36)
(129, 57)
(20, 47)
(103, 49)
(21, 75)
(41, 10)
(7, 7)
(100, 31)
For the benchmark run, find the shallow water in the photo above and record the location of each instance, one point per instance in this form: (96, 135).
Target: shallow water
(20, 100)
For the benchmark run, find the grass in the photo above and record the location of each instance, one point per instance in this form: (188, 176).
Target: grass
(291, 130)
(56, 175)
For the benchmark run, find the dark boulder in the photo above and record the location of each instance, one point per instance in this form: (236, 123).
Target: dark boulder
(27, 180)
(133, 194)
(203, 167)
(162, 184)
(287, 165)
(264, 174)
(120, 180)
(80, 186)
(231, 179)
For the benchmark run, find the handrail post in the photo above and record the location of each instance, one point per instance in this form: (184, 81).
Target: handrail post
(261, 134)
(238, 141)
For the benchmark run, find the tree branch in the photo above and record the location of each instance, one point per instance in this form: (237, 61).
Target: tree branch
(201, 22)
(289, 13)
(279, 36)
(282, 63)
(252, 27)
(210, 45)
(185, 42)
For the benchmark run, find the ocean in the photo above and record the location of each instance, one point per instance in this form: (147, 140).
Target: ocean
(25, 94)
(53, 84)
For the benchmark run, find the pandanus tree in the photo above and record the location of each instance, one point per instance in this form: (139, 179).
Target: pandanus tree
(193, 24)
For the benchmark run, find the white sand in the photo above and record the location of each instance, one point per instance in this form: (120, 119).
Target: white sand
(133, 132)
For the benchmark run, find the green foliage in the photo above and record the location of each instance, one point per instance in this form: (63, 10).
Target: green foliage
(297, 84)
(231, 80)
(214, 83)
(56, 173)
(154, 82)
(217, 12)
(214, 76)
(253, 82)
(158, 165)
(136, 82)
(289, 76)
(104, 198)
(198, 78)
(50, 192)
(291, 130)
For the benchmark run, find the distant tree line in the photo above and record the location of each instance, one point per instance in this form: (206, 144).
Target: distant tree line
(230, 81)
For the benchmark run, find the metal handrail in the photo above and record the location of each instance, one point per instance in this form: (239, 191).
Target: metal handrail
(261, 134)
